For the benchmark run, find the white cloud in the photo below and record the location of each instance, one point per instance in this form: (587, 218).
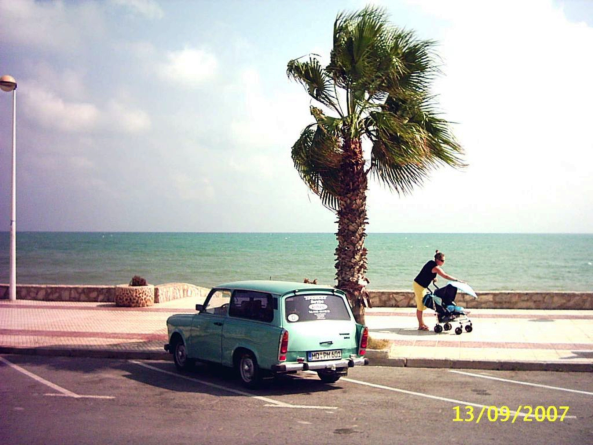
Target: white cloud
(53, 25)
(523, 80)
(264, 118)
(264, 165)
(138, 49)
(146, 8)
(126, 119)
(81, 163)
(192, 188)
(71, 82)
(53, 112)
(189, 67)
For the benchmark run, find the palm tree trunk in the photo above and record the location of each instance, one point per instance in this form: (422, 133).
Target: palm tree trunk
(351, 261)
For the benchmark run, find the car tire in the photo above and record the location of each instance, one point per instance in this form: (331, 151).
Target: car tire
(182, 361)
(328, 378)
(249, 371)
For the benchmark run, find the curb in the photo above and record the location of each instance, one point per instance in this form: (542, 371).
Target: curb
(89, 353)
(376, 358)
(492, 365)
(381, 358)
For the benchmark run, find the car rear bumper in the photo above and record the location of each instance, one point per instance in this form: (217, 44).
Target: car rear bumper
(316, 366)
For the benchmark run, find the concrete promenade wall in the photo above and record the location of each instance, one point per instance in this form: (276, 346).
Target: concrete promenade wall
(47, 292)
(174, 291)
(106, 294)
(495, 300)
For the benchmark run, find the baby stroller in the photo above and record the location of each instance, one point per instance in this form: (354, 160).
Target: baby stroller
(442, 301)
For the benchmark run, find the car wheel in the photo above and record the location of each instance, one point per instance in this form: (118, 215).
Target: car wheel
(182, 361)
(249, 370)
(328, 378)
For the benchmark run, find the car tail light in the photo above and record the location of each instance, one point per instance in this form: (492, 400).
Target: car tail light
(283, 346)
(364, 341)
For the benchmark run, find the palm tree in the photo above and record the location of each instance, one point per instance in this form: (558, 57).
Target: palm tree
(376, 88)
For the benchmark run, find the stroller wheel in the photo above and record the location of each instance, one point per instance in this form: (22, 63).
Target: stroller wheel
(448, 326)
(468, 328)
(438, 328)
(458, 331)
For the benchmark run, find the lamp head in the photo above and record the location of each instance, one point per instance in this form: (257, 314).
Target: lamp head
(7, 83)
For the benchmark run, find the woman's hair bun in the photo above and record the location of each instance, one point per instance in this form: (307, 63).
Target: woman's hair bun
(437, 251)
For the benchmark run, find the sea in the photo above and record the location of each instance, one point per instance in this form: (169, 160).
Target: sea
(488, 262)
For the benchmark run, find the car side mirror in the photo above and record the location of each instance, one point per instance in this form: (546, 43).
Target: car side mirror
(199, 307)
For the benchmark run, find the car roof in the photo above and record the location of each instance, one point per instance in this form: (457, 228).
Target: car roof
(275, 287)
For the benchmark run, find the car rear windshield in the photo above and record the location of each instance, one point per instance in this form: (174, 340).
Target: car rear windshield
(315, 307)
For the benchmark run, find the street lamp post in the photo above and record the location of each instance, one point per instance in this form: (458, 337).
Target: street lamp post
(7, 83)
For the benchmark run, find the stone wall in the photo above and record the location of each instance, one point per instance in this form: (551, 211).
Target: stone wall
(47, 292)
(174, 291)
(495, 300)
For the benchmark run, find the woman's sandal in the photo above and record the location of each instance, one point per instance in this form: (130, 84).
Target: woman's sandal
(423, 328)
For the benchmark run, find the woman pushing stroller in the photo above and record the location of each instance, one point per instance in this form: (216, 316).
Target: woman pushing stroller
(426, 276)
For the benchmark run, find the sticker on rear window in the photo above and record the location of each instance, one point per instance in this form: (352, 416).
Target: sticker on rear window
(318, 306)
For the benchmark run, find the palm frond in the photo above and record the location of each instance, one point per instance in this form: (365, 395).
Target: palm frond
(404, 142)
(408, 143)
(314, 79)
(439, 142)
(316, 156)
(357, 36)
(413, 66)
(399, 178)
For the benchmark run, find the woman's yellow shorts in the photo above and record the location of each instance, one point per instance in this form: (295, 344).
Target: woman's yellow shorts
(419, 292)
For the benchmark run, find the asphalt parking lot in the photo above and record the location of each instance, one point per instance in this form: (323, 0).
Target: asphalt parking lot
(51, 400)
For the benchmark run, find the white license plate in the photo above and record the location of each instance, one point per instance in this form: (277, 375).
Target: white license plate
(334, 354)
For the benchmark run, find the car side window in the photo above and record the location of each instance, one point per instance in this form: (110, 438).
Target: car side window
(252, 306)
(218, 302)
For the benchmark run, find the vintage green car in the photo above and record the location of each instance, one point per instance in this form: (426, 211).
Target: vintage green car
(270, 327)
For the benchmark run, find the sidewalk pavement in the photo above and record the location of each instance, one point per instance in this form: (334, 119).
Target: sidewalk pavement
(549, 340)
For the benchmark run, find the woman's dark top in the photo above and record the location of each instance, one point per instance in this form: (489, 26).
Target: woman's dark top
(426, 275)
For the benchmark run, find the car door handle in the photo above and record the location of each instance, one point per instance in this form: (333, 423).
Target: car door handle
(218, 323)
(326, 342)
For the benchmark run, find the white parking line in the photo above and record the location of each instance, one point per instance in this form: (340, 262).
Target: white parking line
(63, 392)
(522, 383)
(442, 399)
(269, 402)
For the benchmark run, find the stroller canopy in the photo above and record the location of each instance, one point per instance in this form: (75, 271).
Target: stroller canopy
(464, 287)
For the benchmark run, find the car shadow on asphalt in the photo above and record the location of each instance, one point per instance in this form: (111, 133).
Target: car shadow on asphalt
(210, 374)
(81, 364)
(221, 381)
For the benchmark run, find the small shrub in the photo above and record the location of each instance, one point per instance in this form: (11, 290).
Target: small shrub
(138, 281)
(378, 343)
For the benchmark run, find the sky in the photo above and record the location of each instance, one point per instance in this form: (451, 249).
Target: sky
(178, 116)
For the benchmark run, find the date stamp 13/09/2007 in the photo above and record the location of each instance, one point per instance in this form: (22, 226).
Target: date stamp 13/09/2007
(526, 413)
